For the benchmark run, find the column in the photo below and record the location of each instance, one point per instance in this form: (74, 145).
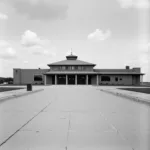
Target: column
(44, 79)
(87, 79)
(66, 79)
(55, 79)
(96, 79)
(76, 79)
(141, 79)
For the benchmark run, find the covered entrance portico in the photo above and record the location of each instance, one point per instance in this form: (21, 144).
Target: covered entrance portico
(81, 79)
(61, 79)
(70, 79)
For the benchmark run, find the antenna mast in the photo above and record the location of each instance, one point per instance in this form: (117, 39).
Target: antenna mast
(71, 51)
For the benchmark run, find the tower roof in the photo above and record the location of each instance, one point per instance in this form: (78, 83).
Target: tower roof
(71, 57)
(71, 60)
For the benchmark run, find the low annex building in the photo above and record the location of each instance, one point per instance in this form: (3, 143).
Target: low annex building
(76, 72)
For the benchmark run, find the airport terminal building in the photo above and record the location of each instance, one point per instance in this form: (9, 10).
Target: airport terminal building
(76, 72)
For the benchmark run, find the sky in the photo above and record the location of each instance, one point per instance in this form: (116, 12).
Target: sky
(109, 33)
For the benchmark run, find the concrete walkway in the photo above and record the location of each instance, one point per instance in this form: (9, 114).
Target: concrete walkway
(17, 93)
(74, 118)
(136, 96)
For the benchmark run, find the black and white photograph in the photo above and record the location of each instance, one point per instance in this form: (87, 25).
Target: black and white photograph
(74, 74)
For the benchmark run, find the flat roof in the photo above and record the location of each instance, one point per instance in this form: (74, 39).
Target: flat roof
(122, 73)
(92, 72)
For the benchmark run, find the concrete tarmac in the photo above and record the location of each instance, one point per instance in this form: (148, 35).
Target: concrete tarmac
(74, 118)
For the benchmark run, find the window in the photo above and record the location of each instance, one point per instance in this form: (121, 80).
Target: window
(72, 68)
(38, 78)
(59, 67)
(69, 67)
(76, 67)
(116, 79)
(63, 67)
(84, 68)
(79, 68)
(120, 79)
(105, 78)
(54, 68)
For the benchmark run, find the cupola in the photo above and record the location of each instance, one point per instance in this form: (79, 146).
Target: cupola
(71, 57)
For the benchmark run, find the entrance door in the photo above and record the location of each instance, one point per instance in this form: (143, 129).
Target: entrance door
(61, 79)
(71, 79)
(89, 79)
(81, 79)
(53, 79)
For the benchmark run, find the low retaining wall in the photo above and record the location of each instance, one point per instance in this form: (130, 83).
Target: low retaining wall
(19, 95)
(133, 98)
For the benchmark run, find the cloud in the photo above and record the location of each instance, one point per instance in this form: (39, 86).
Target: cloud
(142, 4)
(42, 66)
(7, 51)
(125, 3)
(25, 62)
(37, 45)
(30, 39)
(41, 51)
(99, 35)
(3, 16)
(144, 49)
(143, 58)
(4, 43)
(134, 4)
(41, 9)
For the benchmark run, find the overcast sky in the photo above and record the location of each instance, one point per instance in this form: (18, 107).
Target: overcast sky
(109, 33)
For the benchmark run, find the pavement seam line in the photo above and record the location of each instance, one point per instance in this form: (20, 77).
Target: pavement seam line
(117, 131)
(69, 125)
(1, 144)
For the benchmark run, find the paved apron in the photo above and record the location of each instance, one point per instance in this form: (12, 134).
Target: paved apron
(74, 118)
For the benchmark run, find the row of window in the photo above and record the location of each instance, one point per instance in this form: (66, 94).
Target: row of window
(70, 68)
(107, 78)
(103, 78)
(38, 78)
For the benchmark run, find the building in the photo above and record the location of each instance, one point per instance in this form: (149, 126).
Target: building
(77, 72)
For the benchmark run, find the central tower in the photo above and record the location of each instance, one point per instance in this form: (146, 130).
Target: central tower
(71, 57)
